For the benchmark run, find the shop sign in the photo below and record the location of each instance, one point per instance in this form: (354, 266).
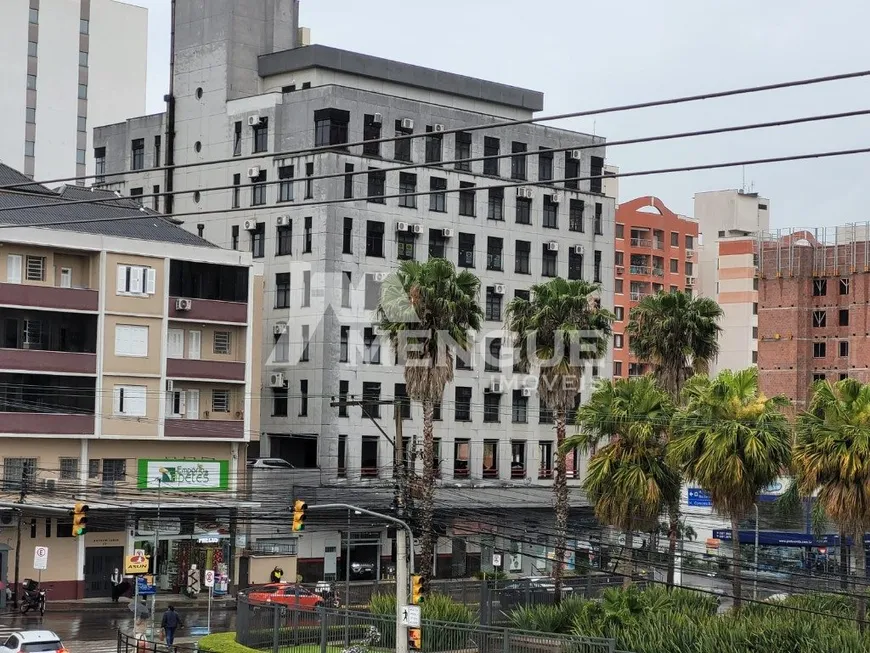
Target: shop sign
(190, 475)
(136, 564)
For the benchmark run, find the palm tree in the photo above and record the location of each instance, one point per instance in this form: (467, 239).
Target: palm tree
(677, 336)
(628, 478)
(426, 309)
(832, 460)
(557, 331)
(733, 442)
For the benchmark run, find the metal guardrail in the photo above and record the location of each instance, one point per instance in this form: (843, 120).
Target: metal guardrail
(270, 627)
(130, 644)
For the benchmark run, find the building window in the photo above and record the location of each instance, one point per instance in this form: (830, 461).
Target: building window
(330, 127)
(819, 350)
(400, 394)
(572, 172)
(518, 161)
(371, 397)
(545, 414)
(818, 377)
(597, 266)
(495, 204)
(463, 151)
(234, 237)
(261, 135)
(284, 237)
(258, 240)
(307, 235)
(405, 241)
(371, 132)
(463, 404)
(369, 456)
(285, 188)
(437, 198)
(371, 347)
(493, 304)
(545, 165)
(617, 340)
(136, 280)
(492, 363)
(348, 181)
(306, 288)
(34, 16)
(258, 189)
(282, 346)
(69, 469)
(237, 138)
(130, 340)
(690, 242)
(237, 191)
(373, 292)
(345, 289)
(99, 164)
(549, 262)
(35, 268)
(374, 238)
(434, 143)
(755, 308)
(844, 348)
(222, 342)
(83, 94)
(545, 452)
(619, 313)
(599, 219)
(491, 408)
(136, 195)
(463, 359)
(551, 213)
(620, 231)
(844, 286)
(344, 344)
(596, 171)
(403, 146)
(575, 265)
(129, 400)
(407, 188)
(491, 148)
(157, 143)
(820, 318)
(675, 239)
(437, 244)
(844, 317)
(466, 250)
(494, 248)
(675, 265)
(137, 154)
(466, 198)
(522, 257)
(279, 402)
(309, 183)
(524, 210)
(303, 397)
(347, 237)
(617, 368)
(342, 450)
(282, 290)
(461, 458)
(519, 408)
(377, 184)
(155, 200)
(343, 391)
(84, 26)
(114, 470)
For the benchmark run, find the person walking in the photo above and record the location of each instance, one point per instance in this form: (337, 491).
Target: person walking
(171, 621)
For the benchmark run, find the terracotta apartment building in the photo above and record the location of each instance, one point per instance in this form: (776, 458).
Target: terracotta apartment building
(655, 250)
(129, 370)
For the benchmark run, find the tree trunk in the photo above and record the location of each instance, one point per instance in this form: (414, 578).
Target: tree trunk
(560, 496)
(673, 528)
(427, 491)
(860, 571)
(844, 562)
(736, 578)
(627, 556)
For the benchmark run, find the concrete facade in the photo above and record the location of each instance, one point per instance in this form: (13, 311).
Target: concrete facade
(65, 66)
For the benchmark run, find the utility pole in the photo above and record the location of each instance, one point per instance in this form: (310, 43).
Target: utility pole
(22, 493)
(401, 548)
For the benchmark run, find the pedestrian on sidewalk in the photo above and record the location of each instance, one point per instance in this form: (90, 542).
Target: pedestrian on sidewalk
(170, 622)
(117, 585)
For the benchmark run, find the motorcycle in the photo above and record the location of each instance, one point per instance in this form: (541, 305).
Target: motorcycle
(33, 597)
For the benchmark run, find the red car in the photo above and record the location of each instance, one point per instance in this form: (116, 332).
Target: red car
(285, 594)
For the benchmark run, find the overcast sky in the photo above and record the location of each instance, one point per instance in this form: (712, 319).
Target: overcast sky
(585, 56)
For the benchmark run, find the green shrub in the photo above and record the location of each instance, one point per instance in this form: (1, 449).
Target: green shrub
(547, 618)
(437, 607)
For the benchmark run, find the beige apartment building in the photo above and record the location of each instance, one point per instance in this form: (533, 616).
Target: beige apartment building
(129, 377)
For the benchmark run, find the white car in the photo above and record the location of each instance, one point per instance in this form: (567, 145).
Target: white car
(33, 641)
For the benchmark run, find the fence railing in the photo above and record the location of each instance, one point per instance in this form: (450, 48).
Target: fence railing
(275, 628)
(130, 644)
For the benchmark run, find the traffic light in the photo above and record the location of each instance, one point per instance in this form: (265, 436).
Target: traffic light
(299, 510)
(79, 516)
(415, 639)
(418, 589)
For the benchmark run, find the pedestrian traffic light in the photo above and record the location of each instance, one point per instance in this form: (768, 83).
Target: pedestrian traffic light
(79, 516)
(418, 589)
(299, 510)
(415, 639)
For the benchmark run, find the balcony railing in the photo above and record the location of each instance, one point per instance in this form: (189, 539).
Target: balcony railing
(658, 272)
(47, 423)
(659, 244)
(636, 295)
(639, 269)
(204, 428)
(641, 242)
(209, 310)
(46, 361)
(49, 297)
(186, 368)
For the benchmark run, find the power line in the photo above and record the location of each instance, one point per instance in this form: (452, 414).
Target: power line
(493, 125)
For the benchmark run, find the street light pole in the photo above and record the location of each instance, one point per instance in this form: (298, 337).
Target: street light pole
(755, 581)
(155, 554)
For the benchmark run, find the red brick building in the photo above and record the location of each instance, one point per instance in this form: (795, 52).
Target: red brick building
(655, 250)
(813, 309)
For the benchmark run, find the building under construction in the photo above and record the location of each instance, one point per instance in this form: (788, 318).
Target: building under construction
(813, 305)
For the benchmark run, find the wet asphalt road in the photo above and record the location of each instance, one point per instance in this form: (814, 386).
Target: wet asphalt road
(99, 626)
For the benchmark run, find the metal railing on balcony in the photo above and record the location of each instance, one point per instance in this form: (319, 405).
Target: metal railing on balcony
(639, 269)
(659, 244)
(658, 272)
(641, 242)
(636, 296)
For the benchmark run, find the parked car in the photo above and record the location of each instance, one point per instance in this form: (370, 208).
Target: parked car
(530, 591)
(33, 641)
(288, 594)
(362, 570)
(269, 463)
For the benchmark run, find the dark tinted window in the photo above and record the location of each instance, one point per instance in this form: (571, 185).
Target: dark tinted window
(208, 281)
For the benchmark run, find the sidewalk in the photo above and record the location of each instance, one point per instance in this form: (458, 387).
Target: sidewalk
(123, 604)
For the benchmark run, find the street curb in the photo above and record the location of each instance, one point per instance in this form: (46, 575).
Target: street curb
(73, 606)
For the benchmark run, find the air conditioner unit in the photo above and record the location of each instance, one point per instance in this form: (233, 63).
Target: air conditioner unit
(438, 128)
(407, 123)
(553, 246)
(447, 233)
(381, 276)
(401, 226)
(253, 172)
(577, 249)
(690, 253)
(183, 304)
(276, 380)
(283, 220)
(554, 198)
(280, 328)
(575, 154)
(417, 228)
(377, 119)
(522, 191)
(253, 121)
(170, 385)
(620, 270)
(495, 387)
(499, 289)
(528, 392)
(49, 484)
(250, 225)
(690, 281)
